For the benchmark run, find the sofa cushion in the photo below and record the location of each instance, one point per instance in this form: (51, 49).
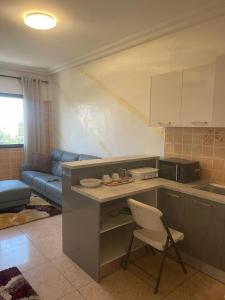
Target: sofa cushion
(68, 156)
(56, 169)
(87, 157)
(13, 190)
(41, 162)
(40, 182)
(54, 189)
(28, 176)
(56, 154)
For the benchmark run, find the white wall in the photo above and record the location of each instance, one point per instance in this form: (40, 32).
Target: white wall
(102, 108)
(91, 119)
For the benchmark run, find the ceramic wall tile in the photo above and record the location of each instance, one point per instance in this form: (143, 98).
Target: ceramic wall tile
(206, 145)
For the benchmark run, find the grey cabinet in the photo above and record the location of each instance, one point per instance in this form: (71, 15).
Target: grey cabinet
(202, 222)
(172, 205)
(204, 229)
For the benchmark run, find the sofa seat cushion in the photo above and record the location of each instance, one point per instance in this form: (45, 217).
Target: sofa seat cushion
(55, 189)
(28, 176)
(40, 182)
(13, 190)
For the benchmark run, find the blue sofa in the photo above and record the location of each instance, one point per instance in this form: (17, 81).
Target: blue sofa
(50, 185)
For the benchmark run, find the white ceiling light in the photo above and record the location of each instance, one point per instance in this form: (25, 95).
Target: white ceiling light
(40, 20)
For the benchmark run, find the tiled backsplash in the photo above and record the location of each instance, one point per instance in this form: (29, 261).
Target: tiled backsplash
(206, 145)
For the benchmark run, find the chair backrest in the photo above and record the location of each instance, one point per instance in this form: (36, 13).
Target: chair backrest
(146, 216)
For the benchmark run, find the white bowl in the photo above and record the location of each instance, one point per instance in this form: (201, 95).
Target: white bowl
(90, 182)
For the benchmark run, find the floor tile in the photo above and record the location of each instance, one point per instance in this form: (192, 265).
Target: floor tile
(11, 237)
(24, 256)
(172, 275)
(73, 296)
(121, 285)
(48, 282)
(50, 246)
(71, 271)
(40, 229)
(199, 287)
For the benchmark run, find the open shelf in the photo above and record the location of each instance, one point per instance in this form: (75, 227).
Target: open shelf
(113, 222)
(114, 244)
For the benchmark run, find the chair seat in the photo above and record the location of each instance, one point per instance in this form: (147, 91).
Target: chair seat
(157, 239)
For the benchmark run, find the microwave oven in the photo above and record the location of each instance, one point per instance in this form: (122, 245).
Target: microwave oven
(180, 170)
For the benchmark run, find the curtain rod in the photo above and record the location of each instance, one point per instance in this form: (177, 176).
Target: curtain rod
(19, 78)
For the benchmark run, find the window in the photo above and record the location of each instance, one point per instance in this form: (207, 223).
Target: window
(11, 120)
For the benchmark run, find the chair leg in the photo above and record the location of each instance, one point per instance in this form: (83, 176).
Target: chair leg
(153, 251)
(147, 247)
(161, 265)
(179, 258)
(126, 258)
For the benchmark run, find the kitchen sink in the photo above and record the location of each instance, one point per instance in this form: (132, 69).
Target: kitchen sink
(213, 188)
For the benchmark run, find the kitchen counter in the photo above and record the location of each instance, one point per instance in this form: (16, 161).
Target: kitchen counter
(106, 161)
(90, 221)
(106, 193)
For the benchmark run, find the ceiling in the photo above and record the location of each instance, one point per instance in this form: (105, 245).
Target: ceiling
(89, 29)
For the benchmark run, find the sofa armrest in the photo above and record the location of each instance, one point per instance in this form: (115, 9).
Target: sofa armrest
(25, 167)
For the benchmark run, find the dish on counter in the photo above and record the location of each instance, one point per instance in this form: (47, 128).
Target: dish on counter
(120, 182)
(90, 182)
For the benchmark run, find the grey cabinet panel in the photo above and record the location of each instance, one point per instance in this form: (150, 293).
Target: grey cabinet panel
(81, 226)
(172, 205)
(204, 229)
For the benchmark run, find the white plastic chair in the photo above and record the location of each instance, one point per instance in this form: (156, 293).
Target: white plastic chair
(154, 232)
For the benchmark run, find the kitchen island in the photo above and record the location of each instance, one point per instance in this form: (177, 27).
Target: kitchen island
(96, 227)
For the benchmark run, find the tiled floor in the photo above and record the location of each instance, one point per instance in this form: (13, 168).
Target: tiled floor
(36, 249)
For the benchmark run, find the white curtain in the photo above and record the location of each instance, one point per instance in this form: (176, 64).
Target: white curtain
(35, 140)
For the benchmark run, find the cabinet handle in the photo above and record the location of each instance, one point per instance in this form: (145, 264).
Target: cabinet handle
(174, 195)
(202, 204)
(199, 123)
(165, 123)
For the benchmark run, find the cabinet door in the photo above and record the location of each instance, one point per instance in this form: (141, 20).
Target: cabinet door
(219, 93)
(166, 99)
(172, 206)
(197, 96)
(203, 230)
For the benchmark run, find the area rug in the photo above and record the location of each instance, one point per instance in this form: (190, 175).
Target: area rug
(13, 286)
(37, 209)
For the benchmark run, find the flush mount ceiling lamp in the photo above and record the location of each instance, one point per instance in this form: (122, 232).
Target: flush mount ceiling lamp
(40, 20)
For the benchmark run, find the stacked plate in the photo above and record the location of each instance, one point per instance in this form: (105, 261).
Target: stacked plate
(90, 182)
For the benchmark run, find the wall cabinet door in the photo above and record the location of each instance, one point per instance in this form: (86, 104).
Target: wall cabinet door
(219, 94)
(172, 206)
(197, 96)
(203, 230)
(166, 99)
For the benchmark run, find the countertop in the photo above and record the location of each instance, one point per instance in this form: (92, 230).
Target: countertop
(104, 193)
(105, 161)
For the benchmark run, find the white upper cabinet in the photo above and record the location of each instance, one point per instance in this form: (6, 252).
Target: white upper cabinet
(191, 98)
(197, 96)
(166, 99)
(219, 94)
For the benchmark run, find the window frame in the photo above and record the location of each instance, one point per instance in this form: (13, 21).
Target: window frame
(7, 146)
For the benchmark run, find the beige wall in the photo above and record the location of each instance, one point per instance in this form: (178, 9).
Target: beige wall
(102, 107)
(92, 118)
